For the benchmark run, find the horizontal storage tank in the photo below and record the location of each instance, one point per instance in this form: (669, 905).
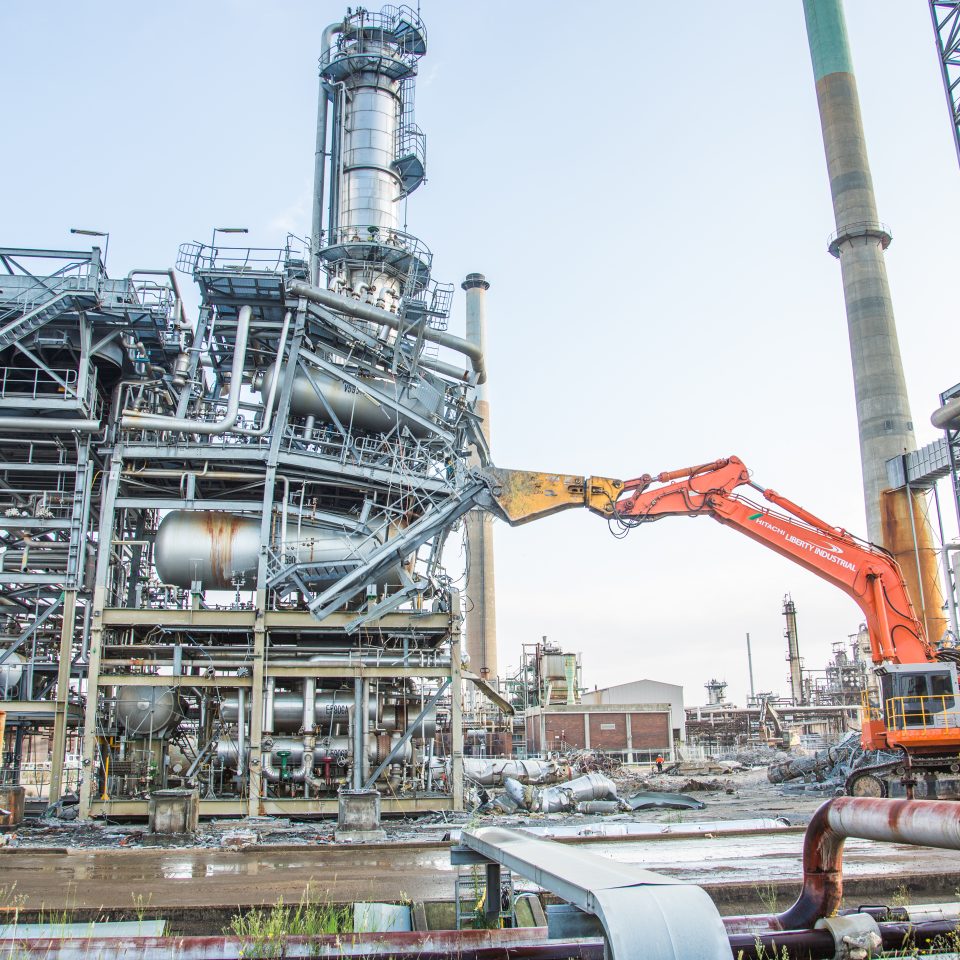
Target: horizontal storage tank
(351, 407)
(149, 711)
(331, 707)
(217, 548)
(11, 672)
(339, 749)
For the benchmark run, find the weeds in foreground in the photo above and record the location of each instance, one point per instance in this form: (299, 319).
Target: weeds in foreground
(763, 954)
(267, 929)
(768, 895)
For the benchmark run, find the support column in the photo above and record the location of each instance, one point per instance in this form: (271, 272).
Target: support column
(90, 754)
(61, 704)
(482, 610)
(456, 701)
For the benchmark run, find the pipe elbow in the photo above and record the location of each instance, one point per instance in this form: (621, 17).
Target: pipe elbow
(947, 417)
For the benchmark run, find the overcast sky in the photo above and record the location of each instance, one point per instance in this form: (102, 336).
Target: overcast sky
(644, 186)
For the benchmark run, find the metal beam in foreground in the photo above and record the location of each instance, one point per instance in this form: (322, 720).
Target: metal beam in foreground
(643, 913)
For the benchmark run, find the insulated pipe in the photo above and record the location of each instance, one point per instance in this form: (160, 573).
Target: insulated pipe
(268, 711)
(319, 164)
(297, 774)
(948, 416)
(264, 428)
(309, 704)
(363, 311)
(133, 419)
(42, 423)
(241, 728)
(927, 823)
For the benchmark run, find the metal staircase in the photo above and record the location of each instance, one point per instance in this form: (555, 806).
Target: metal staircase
(42, 314)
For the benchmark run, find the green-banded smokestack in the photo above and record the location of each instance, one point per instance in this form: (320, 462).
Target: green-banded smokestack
(883, 411)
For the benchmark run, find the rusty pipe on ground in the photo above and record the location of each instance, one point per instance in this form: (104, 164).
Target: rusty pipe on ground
(364, 311)
(803, 944)
(929, 823)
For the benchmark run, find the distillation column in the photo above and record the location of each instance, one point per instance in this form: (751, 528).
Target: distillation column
(883, 409)
(482, 614)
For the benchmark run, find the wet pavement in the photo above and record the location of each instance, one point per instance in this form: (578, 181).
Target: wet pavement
(119, 879)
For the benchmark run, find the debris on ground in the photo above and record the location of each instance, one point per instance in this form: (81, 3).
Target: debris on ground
(562, 796)
(652, 800)
(827, 769)
(239, 839)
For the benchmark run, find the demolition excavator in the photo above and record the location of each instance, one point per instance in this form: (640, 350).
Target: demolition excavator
(916, 713)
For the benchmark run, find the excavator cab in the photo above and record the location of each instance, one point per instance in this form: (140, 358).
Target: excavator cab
(920, 708)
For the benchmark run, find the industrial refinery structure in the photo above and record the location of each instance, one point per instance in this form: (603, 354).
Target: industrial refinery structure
(222, 547)
(223, 534)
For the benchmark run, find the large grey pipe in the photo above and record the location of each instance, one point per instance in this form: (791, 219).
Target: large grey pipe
(364, 311)
(481, 620)
(948, 416)
(319, 165)
(23, 424)
(133, 419)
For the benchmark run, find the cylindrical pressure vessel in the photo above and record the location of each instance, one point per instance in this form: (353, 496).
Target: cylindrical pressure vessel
(148, 711)
(353, 408)
(11, 671)
(333, 707)
(220, 548)
(334, 748)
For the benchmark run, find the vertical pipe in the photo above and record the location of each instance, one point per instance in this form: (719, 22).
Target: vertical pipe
(309, 705)
(364, 727)
(753, 694)
(357, 734)
(319, 163)
(268, 706)
(241, 731)
(482, 614)
(883, 410)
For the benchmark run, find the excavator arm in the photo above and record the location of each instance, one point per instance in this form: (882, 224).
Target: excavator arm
(867, 573)
(519, 496)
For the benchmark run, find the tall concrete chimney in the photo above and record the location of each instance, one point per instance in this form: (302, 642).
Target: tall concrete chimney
(482, 614)
(793, 651)
(883, 411)
(896, 520)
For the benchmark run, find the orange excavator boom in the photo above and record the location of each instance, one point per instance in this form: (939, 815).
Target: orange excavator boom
(866, 572)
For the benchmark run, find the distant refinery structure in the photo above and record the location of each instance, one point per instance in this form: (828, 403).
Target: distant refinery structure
(223, 534)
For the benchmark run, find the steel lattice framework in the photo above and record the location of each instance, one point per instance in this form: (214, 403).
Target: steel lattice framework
(946, 25)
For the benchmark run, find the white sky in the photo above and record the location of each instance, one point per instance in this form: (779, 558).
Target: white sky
(642, 183)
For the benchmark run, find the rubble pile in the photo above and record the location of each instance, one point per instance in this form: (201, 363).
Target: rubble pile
(826, 770)
(583, 791)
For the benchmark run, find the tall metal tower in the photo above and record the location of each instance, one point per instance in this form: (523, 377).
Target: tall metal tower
(946, 26)
(896, 520)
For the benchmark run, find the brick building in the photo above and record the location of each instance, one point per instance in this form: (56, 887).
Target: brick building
(635, 732)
